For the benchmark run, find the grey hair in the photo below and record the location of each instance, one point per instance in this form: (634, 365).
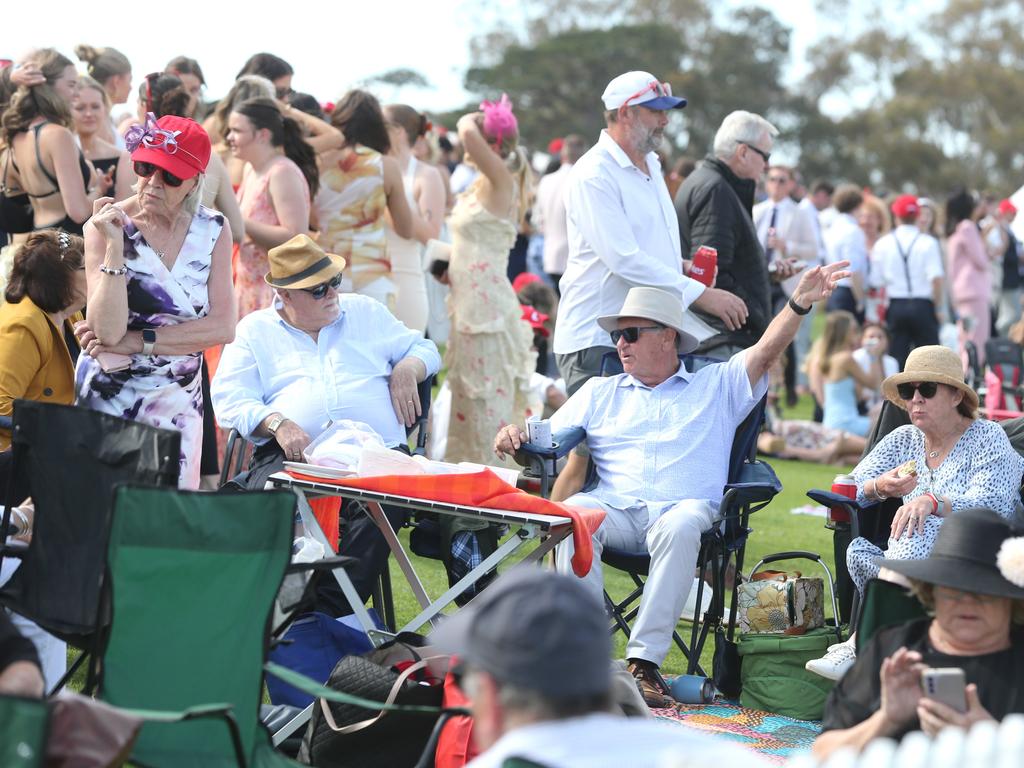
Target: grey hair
(741, 127)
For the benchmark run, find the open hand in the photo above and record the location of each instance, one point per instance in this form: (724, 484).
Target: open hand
(818, 283)
(728, 307)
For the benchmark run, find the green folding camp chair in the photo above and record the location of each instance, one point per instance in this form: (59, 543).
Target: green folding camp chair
(885, 604)
(24, 725)
(191, 582)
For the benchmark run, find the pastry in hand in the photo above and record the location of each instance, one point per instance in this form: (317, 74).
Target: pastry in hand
(907, 469)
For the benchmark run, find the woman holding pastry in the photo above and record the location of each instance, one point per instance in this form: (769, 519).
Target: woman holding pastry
(945, 461)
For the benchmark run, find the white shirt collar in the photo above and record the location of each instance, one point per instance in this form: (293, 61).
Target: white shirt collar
(628, 380)
(611, 146)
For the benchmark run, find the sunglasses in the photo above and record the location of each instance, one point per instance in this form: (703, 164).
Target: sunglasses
(926, 388)
(767, 156)
(319, 291)
(148, 169)
(660, 90)
(632, 334)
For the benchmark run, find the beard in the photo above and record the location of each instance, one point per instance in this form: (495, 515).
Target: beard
(646, 139)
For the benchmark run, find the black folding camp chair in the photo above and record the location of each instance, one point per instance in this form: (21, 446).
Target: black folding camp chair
(752, 485)
(74, 457)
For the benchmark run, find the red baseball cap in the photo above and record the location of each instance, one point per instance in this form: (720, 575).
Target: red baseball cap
(1006, 207)
(535, 318)
(905, 207)
(178, 145)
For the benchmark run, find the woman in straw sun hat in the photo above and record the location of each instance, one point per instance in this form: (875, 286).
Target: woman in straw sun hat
(946, 460)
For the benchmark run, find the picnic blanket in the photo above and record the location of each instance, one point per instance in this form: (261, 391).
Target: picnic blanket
(775, 737)
(481, 489)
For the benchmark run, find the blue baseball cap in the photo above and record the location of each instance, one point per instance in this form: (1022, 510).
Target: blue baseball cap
(638, 88)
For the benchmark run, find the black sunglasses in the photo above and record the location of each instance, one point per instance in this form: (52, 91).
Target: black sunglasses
(148, 169)
(766, 155)
(632, 334)
(319, 291)
(926, 388)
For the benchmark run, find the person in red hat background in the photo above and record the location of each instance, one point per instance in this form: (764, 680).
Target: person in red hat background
(158, 268)
(908, 264)
(1004, 251)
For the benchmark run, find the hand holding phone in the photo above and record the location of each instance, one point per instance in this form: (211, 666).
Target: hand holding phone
(946, 685)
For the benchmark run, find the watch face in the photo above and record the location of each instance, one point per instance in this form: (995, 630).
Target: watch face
(149, 335)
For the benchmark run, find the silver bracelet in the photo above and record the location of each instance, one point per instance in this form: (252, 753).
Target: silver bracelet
(122, 270)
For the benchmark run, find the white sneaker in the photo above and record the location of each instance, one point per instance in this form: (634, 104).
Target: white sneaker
(836, 661)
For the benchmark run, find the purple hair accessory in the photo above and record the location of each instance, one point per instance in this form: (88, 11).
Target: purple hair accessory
(151, 135)
(499, 121)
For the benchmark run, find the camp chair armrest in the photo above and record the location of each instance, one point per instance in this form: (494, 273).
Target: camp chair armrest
(830, 499)
(324, 564)
(177, 716)
(757, 483)
(563, 442)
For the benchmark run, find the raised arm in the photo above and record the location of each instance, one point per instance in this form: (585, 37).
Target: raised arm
(815, 285)
(489, 162)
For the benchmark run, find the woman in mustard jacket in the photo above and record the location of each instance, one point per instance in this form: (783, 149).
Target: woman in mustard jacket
(37, 344)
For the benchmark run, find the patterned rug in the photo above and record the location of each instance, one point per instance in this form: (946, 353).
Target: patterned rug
(775, 737)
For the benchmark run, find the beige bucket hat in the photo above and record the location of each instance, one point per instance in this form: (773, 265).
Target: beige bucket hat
(931, 363)
(656, 305)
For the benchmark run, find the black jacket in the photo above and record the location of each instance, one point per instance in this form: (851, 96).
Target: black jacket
(714, 207)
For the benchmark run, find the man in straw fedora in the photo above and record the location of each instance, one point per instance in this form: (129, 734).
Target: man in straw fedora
(660, 439)
(314, 357)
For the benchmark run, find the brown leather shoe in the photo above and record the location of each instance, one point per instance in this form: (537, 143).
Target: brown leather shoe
(649, 683)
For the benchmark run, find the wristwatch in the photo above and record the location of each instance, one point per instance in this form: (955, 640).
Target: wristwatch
(275, 423)
(148, 341)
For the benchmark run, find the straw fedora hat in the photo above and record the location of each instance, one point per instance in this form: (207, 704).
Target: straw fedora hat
(301, 263)
(931, 363)
(656, 305)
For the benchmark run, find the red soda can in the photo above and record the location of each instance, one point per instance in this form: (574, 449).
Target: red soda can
(705, 262)
(843, 485)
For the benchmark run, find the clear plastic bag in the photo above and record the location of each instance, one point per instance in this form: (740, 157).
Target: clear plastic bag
(341, 444)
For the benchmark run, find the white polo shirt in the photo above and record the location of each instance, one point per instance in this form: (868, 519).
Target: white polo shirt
(623, 231)
(923, 263)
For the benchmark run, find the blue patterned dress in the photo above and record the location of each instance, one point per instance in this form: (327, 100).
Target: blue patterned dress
(161, 390)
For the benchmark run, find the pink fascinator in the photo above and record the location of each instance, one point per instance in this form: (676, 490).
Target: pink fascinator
(499, 121)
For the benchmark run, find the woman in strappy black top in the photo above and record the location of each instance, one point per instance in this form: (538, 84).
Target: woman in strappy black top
(45, 161)
(90, 110)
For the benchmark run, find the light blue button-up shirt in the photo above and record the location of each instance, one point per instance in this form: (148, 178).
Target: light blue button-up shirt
(654, 446)
(273, 367)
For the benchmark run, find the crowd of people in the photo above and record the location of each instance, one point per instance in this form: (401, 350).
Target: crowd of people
(275, 265)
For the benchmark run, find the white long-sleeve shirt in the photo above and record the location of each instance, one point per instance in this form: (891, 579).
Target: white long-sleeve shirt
(272, 367)
(623, 231)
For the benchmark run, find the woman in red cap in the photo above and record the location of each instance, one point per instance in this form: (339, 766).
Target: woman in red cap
(158, 267)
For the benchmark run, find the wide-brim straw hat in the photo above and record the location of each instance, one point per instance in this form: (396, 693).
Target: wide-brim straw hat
(301, 263)
(656, 305)
(969, 555)
(931, 363)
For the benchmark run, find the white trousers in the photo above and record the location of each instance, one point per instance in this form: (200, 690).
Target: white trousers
(673, 541)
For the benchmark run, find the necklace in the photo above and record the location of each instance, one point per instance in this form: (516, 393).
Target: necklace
(162, 253)
(954, 434)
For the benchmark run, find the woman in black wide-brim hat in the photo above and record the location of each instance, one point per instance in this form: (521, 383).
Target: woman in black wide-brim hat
(972, 584)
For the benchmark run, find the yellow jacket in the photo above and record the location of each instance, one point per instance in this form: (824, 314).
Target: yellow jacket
(34, 360)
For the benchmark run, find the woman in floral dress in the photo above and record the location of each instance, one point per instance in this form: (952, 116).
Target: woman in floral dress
(158, 267)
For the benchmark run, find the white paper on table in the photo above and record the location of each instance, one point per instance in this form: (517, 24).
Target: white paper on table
(374, 462)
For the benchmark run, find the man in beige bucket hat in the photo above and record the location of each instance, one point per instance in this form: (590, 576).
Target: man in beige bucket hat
(314, 357)
(660, 438)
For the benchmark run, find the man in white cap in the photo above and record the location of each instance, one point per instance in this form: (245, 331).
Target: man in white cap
(660, 439)
(622, 228)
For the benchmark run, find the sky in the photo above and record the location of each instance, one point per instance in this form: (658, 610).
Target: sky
(368, 39)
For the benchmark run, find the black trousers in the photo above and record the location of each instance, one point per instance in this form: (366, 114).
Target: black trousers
(359, 536)
(912, 323)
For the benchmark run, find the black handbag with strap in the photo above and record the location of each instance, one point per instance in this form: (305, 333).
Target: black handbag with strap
(349, 736)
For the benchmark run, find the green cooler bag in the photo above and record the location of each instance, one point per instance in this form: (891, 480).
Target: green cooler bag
(773, 674)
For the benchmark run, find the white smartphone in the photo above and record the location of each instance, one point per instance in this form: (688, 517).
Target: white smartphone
(947, 685)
